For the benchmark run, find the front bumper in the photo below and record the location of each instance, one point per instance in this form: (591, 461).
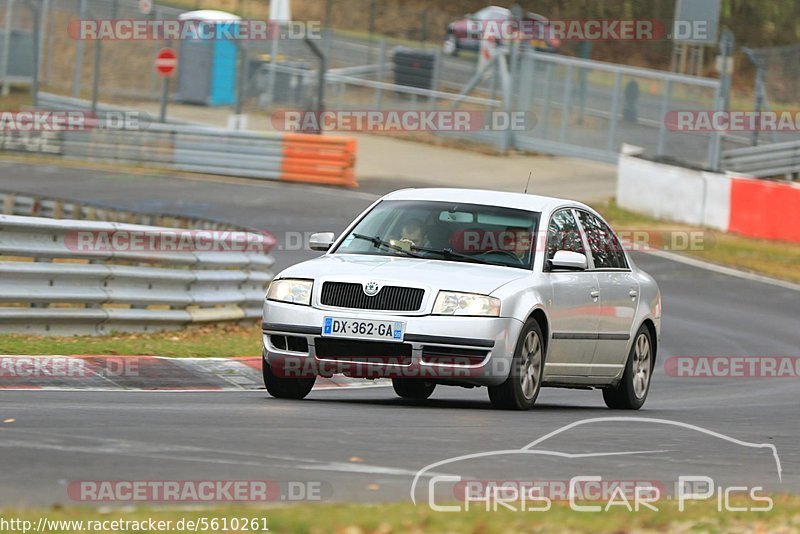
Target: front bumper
(496, 337)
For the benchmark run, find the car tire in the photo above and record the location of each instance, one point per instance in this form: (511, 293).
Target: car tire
(521, 388)
(282, 387)
(632, 390)
(413, 388)
(450, 45)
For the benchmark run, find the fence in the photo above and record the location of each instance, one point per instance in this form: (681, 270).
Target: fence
(764, 160)
(583, 108)
(69, 288)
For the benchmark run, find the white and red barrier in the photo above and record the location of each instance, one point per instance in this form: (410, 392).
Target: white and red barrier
(747, 206)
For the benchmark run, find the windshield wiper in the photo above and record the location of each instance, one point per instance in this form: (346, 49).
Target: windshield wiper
(449, 253)
(378, 242)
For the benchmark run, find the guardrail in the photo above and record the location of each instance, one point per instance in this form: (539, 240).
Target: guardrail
(319, 159)
(39, 206)
(773, 159)
(86, 277)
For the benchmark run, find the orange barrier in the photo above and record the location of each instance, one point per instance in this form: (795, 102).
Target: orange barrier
(769, 210)
(319, 159)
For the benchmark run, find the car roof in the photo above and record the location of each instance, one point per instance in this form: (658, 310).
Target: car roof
(484, 196)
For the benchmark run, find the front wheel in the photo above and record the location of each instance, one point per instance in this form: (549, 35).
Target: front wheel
(521, 388)
(632, 390)
(412, 388)
(282, 387)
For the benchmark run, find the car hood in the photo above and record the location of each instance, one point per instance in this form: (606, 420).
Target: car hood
(413, 272)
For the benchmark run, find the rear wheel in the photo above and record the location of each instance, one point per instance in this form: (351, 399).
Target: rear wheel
(282, 387)
(521, 388)
(632, 390)
(413, 388)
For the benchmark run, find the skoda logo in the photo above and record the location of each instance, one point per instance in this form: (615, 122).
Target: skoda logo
(371, 289)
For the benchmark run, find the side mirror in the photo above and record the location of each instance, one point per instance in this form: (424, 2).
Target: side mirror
(571, 261)
(321, 241)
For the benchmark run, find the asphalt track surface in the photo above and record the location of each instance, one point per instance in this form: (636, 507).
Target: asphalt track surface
(366, 444)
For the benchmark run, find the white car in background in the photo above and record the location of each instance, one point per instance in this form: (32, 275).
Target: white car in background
(467, 288)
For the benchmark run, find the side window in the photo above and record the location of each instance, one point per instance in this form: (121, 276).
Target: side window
(606, 249)
(563, 234)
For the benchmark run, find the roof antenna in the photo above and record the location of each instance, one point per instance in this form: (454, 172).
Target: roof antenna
(530, 173)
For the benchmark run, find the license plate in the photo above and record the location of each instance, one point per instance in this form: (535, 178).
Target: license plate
(363, 329)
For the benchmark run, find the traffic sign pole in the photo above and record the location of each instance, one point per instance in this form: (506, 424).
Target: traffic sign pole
(162, 115)
(166, 61)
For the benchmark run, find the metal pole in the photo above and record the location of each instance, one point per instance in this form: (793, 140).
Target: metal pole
(51, 43)
(76, 77)
(6, 48)
(273, 64)
(162, 114)
(323, 68)
(42, 28)
(437, 74)
(662, 128)
(548, 85)
(612, 127)
(240, 92)
(96, 76)
(34, 8)
(565, 105)
(381, 67)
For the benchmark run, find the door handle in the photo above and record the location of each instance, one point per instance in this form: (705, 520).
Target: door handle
(633, 293)
(594, 294)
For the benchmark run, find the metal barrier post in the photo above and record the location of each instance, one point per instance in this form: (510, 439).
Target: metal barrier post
(565, 105)
(76, 76)
(381, 67)
(7, 47)
(662, 128)
(612, 126)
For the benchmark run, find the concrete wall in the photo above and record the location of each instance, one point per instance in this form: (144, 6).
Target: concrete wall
(673, 193)
(748, 206)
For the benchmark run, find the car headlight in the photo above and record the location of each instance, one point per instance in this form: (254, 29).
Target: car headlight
(291, 290)
(451, 303)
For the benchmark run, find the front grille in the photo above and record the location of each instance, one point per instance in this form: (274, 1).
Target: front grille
(389, 298)
(452, 355)
(363, 351)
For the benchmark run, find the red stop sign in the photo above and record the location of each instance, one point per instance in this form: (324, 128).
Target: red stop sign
(166, 61)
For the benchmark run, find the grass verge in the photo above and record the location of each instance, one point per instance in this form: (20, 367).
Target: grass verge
(404, 517)
(221, 340)
(776, 259)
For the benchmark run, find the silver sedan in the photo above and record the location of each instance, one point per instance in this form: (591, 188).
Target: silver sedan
(467, 288)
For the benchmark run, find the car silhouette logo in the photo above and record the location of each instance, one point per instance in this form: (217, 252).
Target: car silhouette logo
(371, 289)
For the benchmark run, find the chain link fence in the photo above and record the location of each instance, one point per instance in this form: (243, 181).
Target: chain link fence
(575, 107)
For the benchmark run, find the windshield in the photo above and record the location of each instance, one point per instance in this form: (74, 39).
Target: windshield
(468, 233)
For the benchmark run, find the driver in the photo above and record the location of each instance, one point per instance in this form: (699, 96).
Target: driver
(517, 241)
(413, 232)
